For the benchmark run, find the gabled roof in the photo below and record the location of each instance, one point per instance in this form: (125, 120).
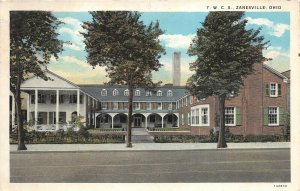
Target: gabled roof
(31, 83)
(274, 71)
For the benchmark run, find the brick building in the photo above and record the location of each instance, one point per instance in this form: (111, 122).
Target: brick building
(259, 108)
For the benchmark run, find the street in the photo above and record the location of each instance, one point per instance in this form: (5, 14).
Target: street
(194, 166)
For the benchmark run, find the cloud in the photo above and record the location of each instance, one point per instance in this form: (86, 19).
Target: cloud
(77, 70)
(72, 27)
(276, 29)
(177, 40)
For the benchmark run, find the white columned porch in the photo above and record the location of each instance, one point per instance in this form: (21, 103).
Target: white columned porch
(13, 111)
(35, 106)
(95, 120)
(78, 102)
(28, 108)
(57, 110)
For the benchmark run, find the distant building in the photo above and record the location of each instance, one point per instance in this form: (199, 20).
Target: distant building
(176, 69)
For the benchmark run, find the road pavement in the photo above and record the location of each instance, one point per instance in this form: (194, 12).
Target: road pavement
(197, 166)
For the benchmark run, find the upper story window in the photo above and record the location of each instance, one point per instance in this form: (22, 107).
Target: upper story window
(137, 93)
(169, 93)
(41, 98)
(126, 92)
(103, 92)
(104, 105)
(273, 89)
(148, 93)
(115, 92)
(159, 93)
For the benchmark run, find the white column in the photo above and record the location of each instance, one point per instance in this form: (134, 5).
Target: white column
(95, 120)
(162, 120)
(78, 102)
(35, 107)
(57, 109)
(28, 107)
(13, 111)
(84, 105)
(177, 115)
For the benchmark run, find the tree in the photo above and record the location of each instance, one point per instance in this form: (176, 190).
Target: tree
(33, 41)
(128, 49)
(226, 52)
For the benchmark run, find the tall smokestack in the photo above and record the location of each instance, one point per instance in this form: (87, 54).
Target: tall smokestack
(176, 69)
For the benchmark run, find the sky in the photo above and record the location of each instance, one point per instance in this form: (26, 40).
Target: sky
(179, 30)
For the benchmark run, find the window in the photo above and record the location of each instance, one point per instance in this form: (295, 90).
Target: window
(229, 116)
(125, 105)
(52, 99)
(273, 116)
(137, 93)
(159, 106)
(191, 99)
(199, 115)
(170, 106)
(189, 119)
(61, 98)
(115, 92)
(81, 99)
(136, 105)
(159, 93)
(126, 92)
(115, 105)
(104, 105)
(103, 92)
(273, 89)
(41, 98)
(204, 115)
(152, 119)
(148, 105)
(169, 93)
(148, 93)
(73, 99)
(32, 99)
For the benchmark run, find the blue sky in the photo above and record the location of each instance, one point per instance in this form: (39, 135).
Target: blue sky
(179, 28)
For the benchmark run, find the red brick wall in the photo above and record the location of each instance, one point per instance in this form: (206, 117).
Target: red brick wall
(251, 101)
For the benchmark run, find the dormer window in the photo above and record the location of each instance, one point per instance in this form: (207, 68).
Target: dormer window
(169, 93)
(137, 93)
(115, 92)
(103, 92)
(159, 93)
(148, 93)
(126, 92)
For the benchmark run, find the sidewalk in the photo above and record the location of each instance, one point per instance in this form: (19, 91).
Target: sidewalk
(147, 146)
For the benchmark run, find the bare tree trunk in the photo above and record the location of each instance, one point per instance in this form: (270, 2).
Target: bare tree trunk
(129, 121)
(222, 140)
(21, 135)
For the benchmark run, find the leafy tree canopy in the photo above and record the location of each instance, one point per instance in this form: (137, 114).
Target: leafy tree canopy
(33, 39)
(128, 49)
(226, 52)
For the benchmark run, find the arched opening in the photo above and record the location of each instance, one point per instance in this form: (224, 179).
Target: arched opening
(170, 120)
(138, 120)
(120, 121)
(154, 121)
(104, 121)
